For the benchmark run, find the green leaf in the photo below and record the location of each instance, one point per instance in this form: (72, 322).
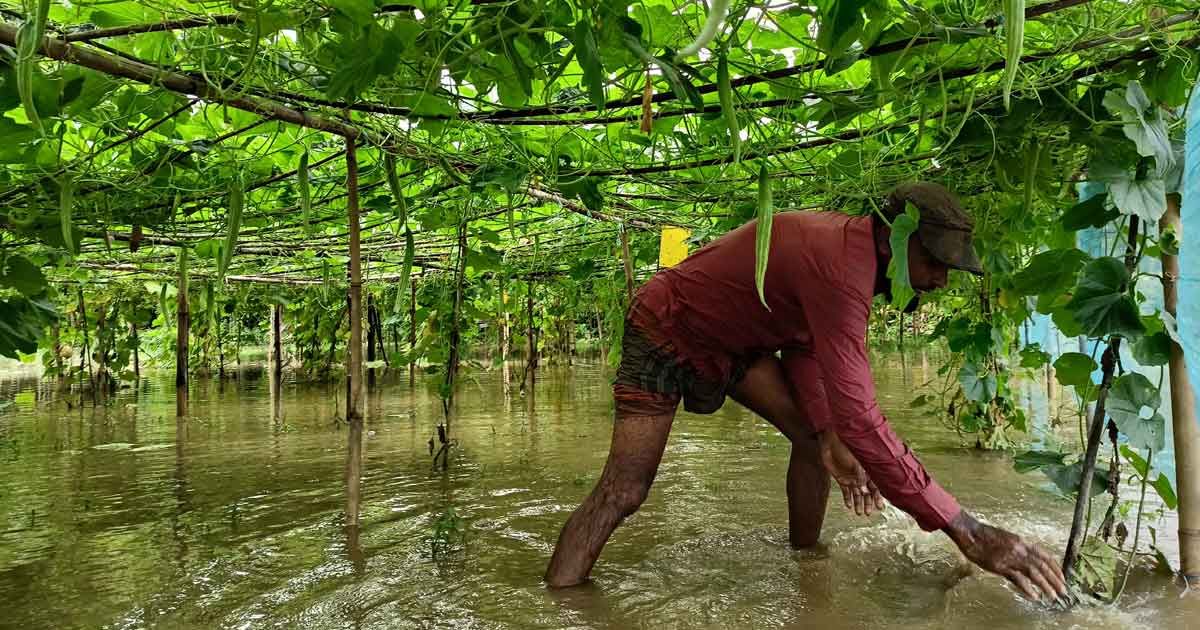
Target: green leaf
(841, 22)
(1144, 123)
(1050, 272)
(1100, 304)
(1145, 198)
(1135, 459)
(1153, 350)
(1067, 478)
(1074, 369)
(586, 189)
(24, 276)
(22, 322)
(1133, 404)
(1034, 460)
(762, 231)
(1162, 485)
(903, 227)
(1095, 212)
(1032, 356)
(587, 52)
(978, 383)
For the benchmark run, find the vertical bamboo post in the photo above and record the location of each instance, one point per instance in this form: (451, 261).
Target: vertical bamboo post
(412, 328)
(505, 373)
(370, 340)
(354, 369)
(455, 329)
(532, 357)
(1183, 411)
(183, 322)
(628, 260)
(137, 362)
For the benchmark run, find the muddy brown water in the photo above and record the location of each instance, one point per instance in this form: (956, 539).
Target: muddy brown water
(231, 518)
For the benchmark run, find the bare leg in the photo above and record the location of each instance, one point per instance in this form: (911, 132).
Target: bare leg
(633, 458)
(765, 391)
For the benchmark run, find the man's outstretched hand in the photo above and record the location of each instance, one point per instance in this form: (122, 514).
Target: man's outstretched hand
(1027, 566)
(858, 491)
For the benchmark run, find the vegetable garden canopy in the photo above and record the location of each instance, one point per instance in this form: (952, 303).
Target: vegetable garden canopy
(133, 129)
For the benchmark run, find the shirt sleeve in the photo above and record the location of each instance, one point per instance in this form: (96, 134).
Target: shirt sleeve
(837, 315)
(808, 383)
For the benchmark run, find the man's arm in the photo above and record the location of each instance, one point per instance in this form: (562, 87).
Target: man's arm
(859, 492)
(838, 321)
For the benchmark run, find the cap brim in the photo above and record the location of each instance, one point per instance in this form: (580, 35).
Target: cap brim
(952, 247)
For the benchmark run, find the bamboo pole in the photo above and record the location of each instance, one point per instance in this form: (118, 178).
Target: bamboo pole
(370, 340)
(277, 342)
(137, 362)
(1183, 412)
(628, 260)
(354, 369)
(505, 372)
(412, 329)
(183, 321)
(455, 331)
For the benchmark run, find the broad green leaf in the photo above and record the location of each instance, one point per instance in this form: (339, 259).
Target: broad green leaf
(1074, 369)
(841, 22)
(903, 227)
(1033, 356)
(1034, 460)
(1133, 404)
(1050, 272)
(1145, 198)
(1095, 212)
(1144, 124)
(24, 276)
(1162, 485)
(1153, 350)
(1100, 303)
(978, 383)
(1068, 477)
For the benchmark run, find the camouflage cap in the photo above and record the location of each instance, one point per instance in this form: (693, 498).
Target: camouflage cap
(945, 229)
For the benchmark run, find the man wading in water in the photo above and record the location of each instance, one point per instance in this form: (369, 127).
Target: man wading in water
(698, 332)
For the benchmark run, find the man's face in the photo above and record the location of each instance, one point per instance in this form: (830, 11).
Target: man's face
(925, 272)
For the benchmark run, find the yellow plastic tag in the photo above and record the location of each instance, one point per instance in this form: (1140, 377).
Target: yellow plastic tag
(672, 248)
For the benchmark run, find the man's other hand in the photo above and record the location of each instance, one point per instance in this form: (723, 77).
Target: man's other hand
(858, 491)
(1027, 566)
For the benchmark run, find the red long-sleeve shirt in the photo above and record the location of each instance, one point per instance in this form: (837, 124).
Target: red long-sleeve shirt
(819, 284)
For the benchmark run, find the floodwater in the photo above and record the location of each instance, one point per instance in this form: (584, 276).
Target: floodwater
(231, 518)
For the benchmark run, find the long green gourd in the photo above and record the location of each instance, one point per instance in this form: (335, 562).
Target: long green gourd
(393, 180)
(725, 92)
(233, 229)
(762, 233)
(405, 272)
(66, 203)
(1014, 35)
(716, 17)
(305, 193)
(28, 37)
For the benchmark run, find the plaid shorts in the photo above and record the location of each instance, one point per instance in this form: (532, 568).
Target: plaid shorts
(652, 379)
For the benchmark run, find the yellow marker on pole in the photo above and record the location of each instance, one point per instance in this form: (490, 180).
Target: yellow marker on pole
(672, 247)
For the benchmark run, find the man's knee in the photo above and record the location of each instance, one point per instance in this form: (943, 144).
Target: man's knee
(625, 495)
